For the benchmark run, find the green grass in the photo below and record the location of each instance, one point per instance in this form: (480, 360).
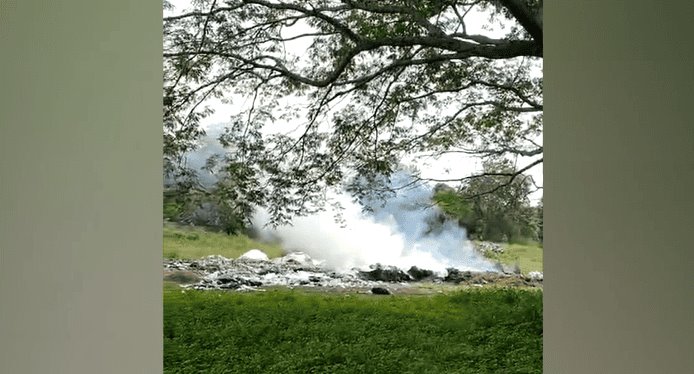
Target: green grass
(191, 243)
(527, 256)
(285, 331)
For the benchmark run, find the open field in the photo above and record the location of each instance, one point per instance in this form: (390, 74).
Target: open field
(527, 256)
(430, 328)
(290, 331)
(192, 242)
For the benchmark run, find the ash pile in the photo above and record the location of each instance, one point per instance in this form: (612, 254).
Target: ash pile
(254, 270)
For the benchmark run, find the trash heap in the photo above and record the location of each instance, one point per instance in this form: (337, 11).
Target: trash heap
(254, 270)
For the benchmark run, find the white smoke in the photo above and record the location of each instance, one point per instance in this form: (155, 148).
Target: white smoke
(398, 233)
(404, 232)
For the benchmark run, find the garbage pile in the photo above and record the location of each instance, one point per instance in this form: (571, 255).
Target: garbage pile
(254, 270)
(483, 247)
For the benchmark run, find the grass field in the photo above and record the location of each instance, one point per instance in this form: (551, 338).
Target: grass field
(189, 243)
(291, 331)
(285, 331)
(527, 256)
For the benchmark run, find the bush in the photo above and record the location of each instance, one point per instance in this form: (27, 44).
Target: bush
(172, 210)
(206, 210)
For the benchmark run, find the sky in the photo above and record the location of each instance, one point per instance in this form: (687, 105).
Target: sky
(447, 166)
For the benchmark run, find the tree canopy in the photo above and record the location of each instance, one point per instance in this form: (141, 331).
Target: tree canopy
(502, 216)
(354, 87)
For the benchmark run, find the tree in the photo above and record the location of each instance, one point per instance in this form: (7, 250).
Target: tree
(505, 215)
(380, 80)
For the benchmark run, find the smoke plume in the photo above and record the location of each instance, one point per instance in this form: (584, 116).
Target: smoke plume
(405, 231)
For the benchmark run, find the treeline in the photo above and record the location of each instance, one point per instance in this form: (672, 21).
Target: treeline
(204, 209)
(491, 208)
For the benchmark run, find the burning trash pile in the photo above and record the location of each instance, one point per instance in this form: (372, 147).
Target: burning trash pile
(483, 247)
(254, 269)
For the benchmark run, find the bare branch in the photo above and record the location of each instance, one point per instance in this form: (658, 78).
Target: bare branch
(512, 177)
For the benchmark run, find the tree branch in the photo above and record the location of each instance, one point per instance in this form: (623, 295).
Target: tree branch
(316, 12)
(495, 152)
(512, 177)
(532, 23)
